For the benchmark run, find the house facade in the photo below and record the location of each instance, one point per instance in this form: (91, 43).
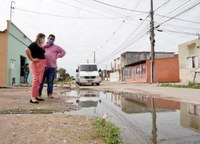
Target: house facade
(12, 55)
(189, 61)
(116, 74)
(136, 67)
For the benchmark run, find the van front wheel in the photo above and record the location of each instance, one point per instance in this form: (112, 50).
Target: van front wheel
(98, 84)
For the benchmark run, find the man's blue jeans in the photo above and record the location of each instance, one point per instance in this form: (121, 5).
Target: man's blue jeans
(49, 75)
(26, 77)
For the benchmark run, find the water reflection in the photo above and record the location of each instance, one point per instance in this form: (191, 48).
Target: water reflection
(88, 98)
(142, 118)
(154, 126)
(141, 103)
(190, 116)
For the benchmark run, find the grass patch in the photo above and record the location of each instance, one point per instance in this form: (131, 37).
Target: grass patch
(32, 111)
(107, 131)
(61, 81)
(189, 85)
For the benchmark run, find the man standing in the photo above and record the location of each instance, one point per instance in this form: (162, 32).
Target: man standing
(52, 52)
(26, 73)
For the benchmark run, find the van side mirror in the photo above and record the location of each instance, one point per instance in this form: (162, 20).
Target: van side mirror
(76, 70)
(99, 70)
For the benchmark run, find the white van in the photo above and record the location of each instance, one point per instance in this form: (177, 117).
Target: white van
(87, 73)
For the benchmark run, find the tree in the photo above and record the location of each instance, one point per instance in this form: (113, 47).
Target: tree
(61, 72)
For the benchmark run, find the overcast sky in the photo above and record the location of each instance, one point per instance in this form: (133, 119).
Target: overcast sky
(108, 27)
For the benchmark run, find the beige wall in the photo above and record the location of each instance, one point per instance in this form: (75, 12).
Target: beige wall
(191, 48)
(3, 57)
(190, 116)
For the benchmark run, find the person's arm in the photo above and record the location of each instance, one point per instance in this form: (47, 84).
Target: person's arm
(61, 52)
(46, 45)
(28, 53)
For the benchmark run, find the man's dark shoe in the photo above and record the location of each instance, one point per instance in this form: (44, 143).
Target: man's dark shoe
(39, 99)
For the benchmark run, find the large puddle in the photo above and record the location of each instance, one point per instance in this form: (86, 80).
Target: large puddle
(142, 119)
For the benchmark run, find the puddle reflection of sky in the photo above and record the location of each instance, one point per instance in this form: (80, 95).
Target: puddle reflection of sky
(142, 119)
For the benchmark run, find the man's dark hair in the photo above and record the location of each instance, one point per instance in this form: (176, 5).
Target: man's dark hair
(51, 35)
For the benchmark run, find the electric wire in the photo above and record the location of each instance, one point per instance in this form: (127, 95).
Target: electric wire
(181, 27)
(114, 33)
(120, 7)
(127, 43)
(178, 7)
(91, 12)
(162, 5)
(196, 4)
(112, 55)
(176, 26)
(145, 12)
(69, 17)
(179, 32)
(179, 19)
(111, 36)
(98, 9)
(127, 16)
(121, 46)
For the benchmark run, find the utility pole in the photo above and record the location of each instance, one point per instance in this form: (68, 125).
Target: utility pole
(11, 8)
(94, 57)
(152, 35)
(106, 74)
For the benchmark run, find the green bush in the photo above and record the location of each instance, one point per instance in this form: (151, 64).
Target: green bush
(107, 131)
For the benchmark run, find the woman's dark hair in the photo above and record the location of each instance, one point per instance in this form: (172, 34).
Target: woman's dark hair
(40, 35)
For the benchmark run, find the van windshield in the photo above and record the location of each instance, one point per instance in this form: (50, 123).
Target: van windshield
(88, 68)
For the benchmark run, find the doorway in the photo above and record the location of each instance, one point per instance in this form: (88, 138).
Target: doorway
(22, 65)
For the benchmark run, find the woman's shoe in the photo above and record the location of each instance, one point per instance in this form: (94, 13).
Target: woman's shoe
(34, 102)
(39, 99)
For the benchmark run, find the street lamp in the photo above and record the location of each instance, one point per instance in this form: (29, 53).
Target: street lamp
(11, 8)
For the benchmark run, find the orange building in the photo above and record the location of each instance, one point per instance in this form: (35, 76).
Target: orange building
(166, 68)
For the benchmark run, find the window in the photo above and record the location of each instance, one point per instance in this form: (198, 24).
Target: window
(88, 68)
(193, 109)
(192, 62)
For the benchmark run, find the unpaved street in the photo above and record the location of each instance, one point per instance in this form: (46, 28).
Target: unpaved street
(22, 122)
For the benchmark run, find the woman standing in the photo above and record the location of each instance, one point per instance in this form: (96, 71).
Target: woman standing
(35, 53)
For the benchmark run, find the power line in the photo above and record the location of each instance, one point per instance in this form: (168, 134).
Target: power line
(173, 31)
(180, 13)
(113, 54)
(61, 16)
(184, 20)
(125, 15)
(177, 26)
(119, 7)
(145, 12)
(182, 27)
(176, 8)
(162, 5)
(122, 48)
(91, 12)
(113, 34)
